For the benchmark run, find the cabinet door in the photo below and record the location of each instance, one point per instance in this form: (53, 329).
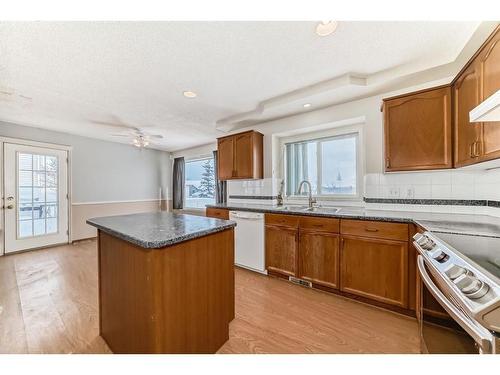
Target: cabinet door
(418, 131)
(225, 158)
(319, 258)
(489, 60)
(466, 96)
(243, 157)
(375, 268)
(281, 249)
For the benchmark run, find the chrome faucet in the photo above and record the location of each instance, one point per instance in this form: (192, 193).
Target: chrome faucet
(311, 199)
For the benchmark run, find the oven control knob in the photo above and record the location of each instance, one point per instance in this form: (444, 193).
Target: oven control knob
(424, 241)
(439, 255)
(455, 271)
(471, 286)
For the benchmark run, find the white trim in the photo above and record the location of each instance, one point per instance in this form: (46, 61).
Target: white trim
(114, 202)
(27, 142)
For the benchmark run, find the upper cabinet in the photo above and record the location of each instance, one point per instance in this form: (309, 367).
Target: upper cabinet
(466, 96)
(418, 126)
(489, 64)
(240, 156)
(417, 130)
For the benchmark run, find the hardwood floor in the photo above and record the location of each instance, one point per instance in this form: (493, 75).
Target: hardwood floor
(48, 304)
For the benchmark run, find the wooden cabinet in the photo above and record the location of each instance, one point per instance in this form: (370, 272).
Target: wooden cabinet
(367, 258)
(218, 213)
(319, 257)
(240, 156)
(375, 269)
(281, 249)
(489, 65)
(417, 130)
(466, 96)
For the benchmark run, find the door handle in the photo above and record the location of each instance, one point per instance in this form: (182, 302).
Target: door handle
(11, 205)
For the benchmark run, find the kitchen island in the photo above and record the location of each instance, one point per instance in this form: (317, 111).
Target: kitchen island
(166, 282)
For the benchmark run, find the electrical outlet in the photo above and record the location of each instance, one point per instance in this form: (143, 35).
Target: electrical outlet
(394, 192)
(410, 192)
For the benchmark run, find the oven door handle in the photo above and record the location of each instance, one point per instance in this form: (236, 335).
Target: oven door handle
(482, 337)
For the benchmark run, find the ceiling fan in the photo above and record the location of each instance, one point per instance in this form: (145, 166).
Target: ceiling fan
(139, 136)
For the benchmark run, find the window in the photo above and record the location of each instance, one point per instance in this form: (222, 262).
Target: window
(329, 164)
(37, 192)
(199, 188)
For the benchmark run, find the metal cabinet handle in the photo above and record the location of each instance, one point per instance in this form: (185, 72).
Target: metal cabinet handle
(371, 229)
(477, 148)
(387, 163)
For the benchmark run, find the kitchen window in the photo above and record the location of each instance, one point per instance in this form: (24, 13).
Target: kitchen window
(330, 164)
(199, 186)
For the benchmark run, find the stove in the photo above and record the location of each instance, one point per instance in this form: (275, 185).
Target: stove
(462, 273)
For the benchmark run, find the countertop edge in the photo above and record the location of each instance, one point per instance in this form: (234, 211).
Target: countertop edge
(420, 222)
(162, 243)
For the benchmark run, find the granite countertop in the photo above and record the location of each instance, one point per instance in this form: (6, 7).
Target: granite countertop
(470, 224)
(159, 229)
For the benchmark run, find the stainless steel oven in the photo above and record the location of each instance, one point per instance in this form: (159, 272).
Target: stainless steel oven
(458, 304)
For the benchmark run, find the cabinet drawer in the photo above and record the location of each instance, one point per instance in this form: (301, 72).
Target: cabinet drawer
(218, 213)
(320, 224)
(282, 220)
(375, 229)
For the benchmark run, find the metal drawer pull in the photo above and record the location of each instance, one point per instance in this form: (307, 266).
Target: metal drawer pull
(371, 229)
(480, 335)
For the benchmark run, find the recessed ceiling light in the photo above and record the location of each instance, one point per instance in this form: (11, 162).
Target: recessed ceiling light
(325, 28)
(307, 105)
(190, 94)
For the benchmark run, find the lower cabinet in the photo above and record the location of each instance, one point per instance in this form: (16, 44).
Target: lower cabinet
(369, 259)
(319, 258)
(375, 268)
(281, 249)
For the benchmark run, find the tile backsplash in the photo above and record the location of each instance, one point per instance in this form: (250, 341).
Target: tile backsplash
(448, 184)
(436, 185)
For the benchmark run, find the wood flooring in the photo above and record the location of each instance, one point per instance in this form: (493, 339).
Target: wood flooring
(48, 304)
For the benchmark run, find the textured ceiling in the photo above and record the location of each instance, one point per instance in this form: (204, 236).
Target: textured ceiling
(76, 76)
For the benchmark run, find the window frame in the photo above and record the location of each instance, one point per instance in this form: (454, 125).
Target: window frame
(190, 160)
(324, 136)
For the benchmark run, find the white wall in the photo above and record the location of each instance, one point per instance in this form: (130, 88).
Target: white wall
(105, 172)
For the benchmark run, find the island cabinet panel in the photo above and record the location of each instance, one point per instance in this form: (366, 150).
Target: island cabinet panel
(125, 278)
(417, 130)
(281, 249)
(319, 257)
(217, 213)
(489, 62)
(466, 96)
(177, 299)
(375, 268)
(240, 156)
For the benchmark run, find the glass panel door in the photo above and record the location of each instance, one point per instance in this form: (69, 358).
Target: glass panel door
(36, 211)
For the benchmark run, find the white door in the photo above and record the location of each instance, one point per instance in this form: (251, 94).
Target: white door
(35, 197)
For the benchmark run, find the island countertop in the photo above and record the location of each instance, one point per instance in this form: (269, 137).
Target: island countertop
(155, 230)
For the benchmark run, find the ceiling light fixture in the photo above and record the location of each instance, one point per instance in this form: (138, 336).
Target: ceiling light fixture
(325, 28)
(140, 142)
(307, 105)
(190, 94)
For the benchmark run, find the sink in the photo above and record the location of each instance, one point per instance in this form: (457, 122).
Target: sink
(292, 208)
(331, 210)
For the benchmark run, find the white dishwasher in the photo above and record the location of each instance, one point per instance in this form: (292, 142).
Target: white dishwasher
(249, 240)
